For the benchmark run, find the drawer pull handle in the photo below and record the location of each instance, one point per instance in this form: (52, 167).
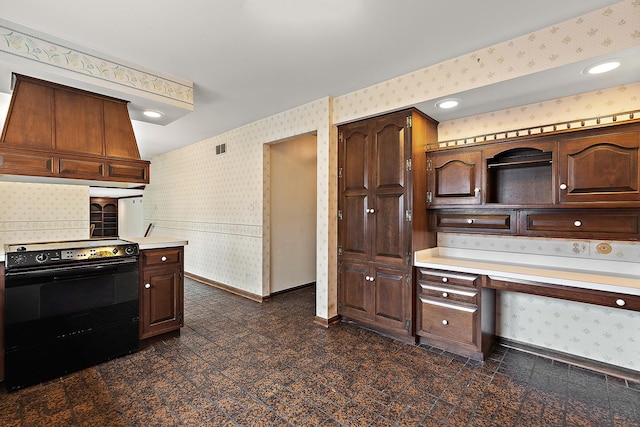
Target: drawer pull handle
(476, 191)
(445, 294)
(470, 221)
(577, 223)
(445, 322)
(147, 286)
(369, 278)
(163, 259)
(620, 302)
(444, 279)
(563, 186)
(370, 211)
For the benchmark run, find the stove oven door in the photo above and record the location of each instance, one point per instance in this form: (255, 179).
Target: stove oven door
(62, 319)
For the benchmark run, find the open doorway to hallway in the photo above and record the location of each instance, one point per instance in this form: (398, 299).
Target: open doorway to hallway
(292, 213)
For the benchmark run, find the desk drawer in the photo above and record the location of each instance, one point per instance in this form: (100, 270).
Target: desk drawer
(448, 292)
(453, 321)
(447, 277)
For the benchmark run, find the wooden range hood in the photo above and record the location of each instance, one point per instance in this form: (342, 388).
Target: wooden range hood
(55, 131)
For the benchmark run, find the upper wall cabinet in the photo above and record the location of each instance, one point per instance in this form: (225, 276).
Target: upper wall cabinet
(601, 168)
(572, 184)
(454, 178)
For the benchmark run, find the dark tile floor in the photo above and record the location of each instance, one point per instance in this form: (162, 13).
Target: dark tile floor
(237, 362)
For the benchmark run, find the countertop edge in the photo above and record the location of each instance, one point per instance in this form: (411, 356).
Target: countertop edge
(431, 258)
(145, 243)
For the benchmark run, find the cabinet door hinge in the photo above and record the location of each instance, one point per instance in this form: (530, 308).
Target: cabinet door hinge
(339, 172)
(407, 325)
(429, 165)
(408, 275)
(340, 215)
(180, 315)
(409, 121)
(409, 164)
(408, 215)
(429, 196)
(340, 137)
(339, 251)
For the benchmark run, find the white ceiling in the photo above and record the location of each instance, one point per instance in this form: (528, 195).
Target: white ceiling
(249, 59)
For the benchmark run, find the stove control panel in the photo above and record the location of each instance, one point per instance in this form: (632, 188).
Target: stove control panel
(22, 257)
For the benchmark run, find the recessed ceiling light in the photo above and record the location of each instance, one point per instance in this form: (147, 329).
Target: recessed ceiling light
(603, 67)
(448, 103)
(152, 113)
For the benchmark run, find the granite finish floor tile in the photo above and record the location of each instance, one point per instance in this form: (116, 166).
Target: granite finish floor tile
(241, 363)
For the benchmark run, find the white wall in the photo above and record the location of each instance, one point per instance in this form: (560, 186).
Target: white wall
(130, 217)
(293, 213)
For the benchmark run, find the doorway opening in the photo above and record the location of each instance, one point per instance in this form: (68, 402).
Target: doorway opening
(292, 195)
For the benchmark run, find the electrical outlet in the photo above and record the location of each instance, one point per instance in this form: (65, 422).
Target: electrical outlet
(580, 248)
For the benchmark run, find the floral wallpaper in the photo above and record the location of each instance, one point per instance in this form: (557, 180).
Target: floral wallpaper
(217, 202)
(31, 45)
(608, 335)
(610, 29)
(42, 212)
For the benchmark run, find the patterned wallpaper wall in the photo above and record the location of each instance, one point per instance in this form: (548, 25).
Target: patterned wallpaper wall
(604, 334)
(43, 212)
(217, 201)
(610, 29)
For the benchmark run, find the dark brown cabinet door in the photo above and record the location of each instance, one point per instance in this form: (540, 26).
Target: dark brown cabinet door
(393, 289)
(355, 290)
(391, 150)
(454, 178)
(601, 168)
(161, 291)
(374, 228)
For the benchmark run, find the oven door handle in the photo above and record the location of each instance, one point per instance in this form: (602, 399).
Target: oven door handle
(35, 272)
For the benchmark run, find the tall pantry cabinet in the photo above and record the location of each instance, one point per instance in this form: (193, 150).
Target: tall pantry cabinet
(382, 218)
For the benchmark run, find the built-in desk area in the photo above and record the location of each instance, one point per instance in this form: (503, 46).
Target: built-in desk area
(456, 290)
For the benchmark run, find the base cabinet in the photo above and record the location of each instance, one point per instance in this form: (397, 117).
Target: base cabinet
(454, 312)
(161, 291)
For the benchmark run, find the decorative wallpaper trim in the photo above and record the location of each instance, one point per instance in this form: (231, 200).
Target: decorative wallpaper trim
(212, 227)
(570, 125)
(26, 44)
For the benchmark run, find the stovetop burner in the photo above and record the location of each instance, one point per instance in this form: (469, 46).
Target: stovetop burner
(52, 253)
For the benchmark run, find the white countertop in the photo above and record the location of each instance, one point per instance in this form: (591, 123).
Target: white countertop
(612, 276)
(155, 242)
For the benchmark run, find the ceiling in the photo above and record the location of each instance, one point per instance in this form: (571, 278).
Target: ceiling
(249, 59)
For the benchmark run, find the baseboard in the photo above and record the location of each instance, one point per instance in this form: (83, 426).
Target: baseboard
(327, 322)
(582, 362)
(295, 288)
(236, 291)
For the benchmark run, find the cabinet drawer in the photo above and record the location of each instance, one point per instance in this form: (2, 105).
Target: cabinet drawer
(453, 293)
(447, 277)
(573, 223)
(474, 222)
(452, 321)
(157, 257)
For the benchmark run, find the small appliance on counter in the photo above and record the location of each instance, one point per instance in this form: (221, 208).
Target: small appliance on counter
(68, 305)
